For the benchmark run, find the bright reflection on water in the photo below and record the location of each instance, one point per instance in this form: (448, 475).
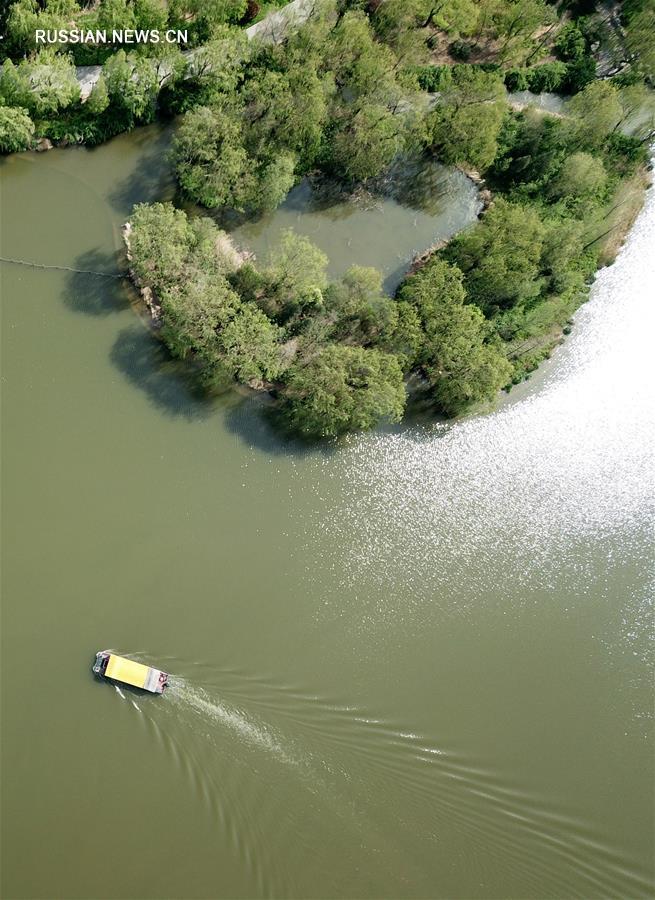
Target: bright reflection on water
(415, 665)
(574, 459)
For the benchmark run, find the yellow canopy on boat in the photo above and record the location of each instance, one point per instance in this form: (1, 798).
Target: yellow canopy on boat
(126, 670)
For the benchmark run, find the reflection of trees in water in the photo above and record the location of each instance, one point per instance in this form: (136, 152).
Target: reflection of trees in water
(415, 182)
(419, 183)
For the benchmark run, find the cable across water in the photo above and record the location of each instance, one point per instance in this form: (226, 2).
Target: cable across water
(34, 265)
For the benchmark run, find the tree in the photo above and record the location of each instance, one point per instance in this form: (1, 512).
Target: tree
(250, 347)
(275, 178)
(365, 143)
(532, 147)
(193, 314)
(44, 84)
(516, 21)
(500, 256)
(570, 44)
(639, 40)
(149, 15)
(116, 14)
(160, 240)
(363, 313)
(204, 18)
(210, 160)
(296, 275)
(217, 66)
(16, 129)
(562, 254)
(362, 67)
(461, 367)
(596, 110)
(132, 85)
(98, 100)
(465, 125)
(205, 319)
(581, 177)
(285, 111)
(25, 16)
(633, 98)
(396, 22)
(343, 389)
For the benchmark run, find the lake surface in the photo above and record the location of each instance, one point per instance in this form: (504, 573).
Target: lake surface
(418, 206)
(418, 664)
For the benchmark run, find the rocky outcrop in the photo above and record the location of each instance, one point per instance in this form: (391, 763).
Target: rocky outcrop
(148, 296)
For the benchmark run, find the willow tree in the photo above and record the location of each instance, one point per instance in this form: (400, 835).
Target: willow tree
(343, 389)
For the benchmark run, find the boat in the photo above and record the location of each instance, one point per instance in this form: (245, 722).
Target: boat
(126, 671)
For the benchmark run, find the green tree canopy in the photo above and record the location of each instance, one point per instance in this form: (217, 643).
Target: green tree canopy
(596, 110)
(500, 256)
(132, 84)
(343, 389)
(210, 160)
(363, 313)
(43, 84)
(160, 239)
(285, 111)
(461, 366)
(365, 143)
(464, 126)
(16, 129)
(582, 176)
(295, 274)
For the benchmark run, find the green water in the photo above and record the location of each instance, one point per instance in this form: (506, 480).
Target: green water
(415, 665)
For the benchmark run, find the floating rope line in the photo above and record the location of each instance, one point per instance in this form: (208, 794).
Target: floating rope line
(33, 265)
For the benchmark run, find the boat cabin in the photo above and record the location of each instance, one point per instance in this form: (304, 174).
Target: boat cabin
(126, 671)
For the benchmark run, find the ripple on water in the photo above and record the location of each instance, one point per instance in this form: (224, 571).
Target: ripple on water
(355, 762)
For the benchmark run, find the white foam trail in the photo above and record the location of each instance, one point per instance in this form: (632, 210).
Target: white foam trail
(135, 706)
(120, 692)
(245, 728)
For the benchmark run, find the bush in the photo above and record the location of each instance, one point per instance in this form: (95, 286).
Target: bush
(251, 12)
(579, 74)
(16, 129)
(434, 78)
(516, 80)
(571, 43)
(548, 77)
(460, 50)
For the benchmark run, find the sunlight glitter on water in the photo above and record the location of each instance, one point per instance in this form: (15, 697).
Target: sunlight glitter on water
(574, 460)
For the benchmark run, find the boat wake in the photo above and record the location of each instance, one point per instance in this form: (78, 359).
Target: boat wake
(259, 736)
(354, 763)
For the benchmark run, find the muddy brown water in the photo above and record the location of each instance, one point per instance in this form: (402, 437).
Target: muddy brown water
(413, 665)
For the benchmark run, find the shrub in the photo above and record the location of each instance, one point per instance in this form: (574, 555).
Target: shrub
(570, 44)
(434, 78)
(460, 50)
(547, 77)
(16, 129)
(251, 12)
(516, 80)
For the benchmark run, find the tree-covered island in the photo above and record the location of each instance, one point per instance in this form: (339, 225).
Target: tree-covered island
(360, 84)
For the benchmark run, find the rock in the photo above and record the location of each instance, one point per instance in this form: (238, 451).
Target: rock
(486, 197)
(43, 145)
